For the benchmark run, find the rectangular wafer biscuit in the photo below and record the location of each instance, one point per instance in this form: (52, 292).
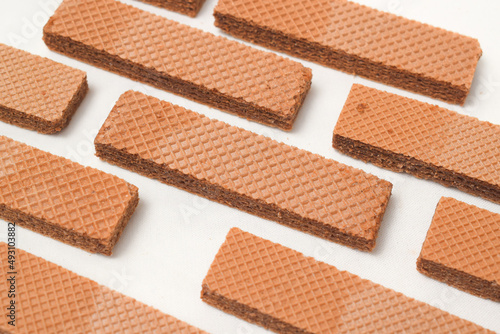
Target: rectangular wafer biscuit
(187, 7)
(52, 299)
(462, 248)
(360, 40)
(257, 85)
(81, 206)
(37, 93)
(406, 135)
(244, 170)
(287, 292)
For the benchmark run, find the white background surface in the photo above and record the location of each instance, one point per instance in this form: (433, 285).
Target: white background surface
(173, 236)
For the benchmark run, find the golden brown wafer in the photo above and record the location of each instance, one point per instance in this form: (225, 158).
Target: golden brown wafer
(462, 248)
(361, 40)
(244, 170)
(78, 205)
(187, 7)
(288, 292)
(52, 299)
(210, 69)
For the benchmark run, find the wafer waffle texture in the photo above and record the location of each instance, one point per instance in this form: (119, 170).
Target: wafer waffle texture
(52, 299)
(213, 70)
(430, 142)
(244, 170)
(287, 292)
(81, 206)
(37, 93)
(462, 248)
(187, 7)
(360, 40)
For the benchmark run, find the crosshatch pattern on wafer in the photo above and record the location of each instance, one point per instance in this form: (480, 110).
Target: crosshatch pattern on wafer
(466, 238)
(359, 39)
(61, 193)
(462, 248)
(457, 144)
(55, 300)
(251, 277)
(369, 33)
(187, 7)
(35, 85)
(180, 58)
(246, 164)
(37, 93)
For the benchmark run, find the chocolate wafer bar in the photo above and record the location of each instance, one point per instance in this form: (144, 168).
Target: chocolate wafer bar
(287, 292)
(406, 135)
(462, 248)
(52, 299)
(241, 169)
(257, 85)
(360, 40)
(81, 206)
(37, 93)
(187, 7)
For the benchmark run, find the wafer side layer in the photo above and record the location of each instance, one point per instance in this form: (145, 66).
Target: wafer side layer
(81, 206)
(187, 7)
(37, 93)
(462, 248)
(360, 40)
(52, 299)
(287, 292)
(405, 135)
(257, 85)
(244, 170)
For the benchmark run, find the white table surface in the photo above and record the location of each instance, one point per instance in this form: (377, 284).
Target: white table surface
(173, 236)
